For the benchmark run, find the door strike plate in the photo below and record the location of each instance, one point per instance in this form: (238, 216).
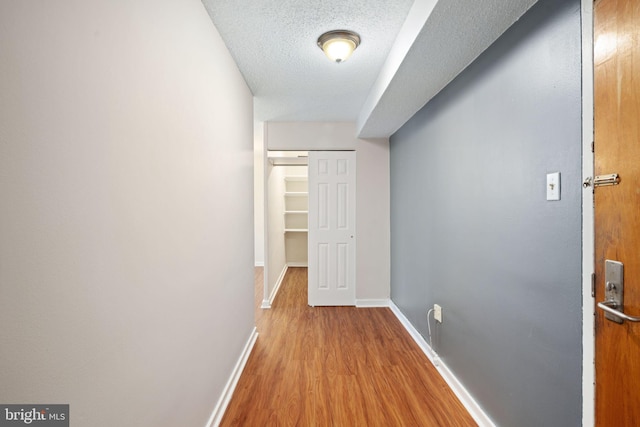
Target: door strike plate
(614, 287)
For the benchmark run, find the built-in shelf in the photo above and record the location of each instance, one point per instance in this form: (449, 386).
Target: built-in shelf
(296, 214)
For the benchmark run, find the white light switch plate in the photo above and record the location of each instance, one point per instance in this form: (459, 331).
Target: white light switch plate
(553, 186)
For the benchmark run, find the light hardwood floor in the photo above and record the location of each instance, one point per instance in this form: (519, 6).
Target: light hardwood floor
(337, 366)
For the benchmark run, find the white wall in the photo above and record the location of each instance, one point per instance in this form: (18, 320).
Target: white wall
(258, 192)
(276, 257)
(372, 210)
(373, 219)
(126, 225)
(308, 136)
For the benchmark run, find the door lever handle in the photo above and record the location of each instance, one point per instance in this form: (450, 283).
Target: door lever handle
(610, 307)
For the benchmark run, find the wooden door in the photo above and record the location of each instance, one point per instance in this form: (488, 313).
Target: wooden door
(617, 207)
(332, 226)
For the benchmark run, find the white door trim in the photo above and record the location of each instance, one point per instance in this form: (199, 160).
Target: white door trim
(588, 321)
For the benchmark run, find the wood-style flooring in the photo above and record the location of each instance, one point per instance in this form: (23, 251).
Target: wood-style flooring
(337, 366)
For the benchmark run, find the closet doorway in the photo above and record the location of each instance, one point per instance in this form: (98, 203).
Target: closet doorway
(286, 217)
(312, 227)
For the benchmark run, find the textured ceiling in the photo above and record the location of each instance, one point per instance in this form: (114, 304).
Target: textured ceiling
(274, 45)
(410, 50)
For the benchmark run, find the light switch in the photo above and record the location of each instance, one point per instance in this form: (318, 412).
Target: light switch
(553, 186)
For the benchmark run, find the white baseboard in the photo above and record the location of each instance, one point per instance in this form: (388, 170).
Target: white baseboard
(460, 391)
(259, 264)
(276, 288)
(362, 303)
(298, 264)
(225, 398)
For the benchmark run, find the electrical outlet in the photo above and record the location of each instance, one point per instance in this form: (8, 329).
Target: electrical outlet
(437, 312)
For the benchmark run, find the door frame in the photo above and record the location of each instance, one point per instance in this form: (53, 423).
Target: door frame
(269, 294)
(588, 234)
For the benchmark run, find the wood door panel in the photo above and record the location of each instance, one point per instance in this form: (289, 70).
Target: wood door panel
(617, 208)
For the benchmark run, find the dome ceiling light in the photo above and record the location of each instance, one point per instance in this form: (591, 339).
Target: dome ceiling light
(338, 45)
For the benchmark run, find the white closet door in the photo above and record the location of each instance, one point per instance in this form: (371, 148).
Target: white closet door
(332, 228)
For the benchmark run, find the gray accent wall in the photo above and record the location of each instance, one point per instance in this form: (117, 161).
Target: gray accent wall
(471, 228)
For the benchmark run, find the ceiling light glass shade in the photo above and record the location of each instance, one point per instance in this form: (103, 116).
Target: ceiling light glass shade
(339, 45)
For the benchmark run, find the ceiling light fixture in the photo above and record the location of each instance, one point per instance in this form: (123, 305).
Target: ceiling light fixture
(338, 45)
